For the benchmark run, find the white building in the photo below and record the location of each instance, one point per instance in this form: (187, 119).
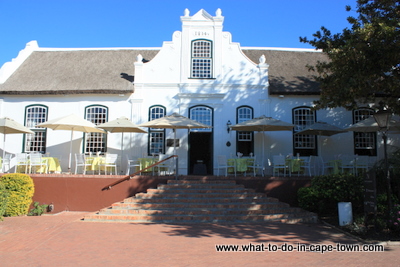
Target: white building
(200, 74)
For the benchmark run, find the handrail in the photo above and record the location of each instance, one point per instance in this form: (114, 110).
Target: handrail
(108, 187)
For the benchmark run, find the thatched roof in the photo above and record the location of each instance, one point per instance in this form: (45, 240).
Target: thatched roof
(288, 72)
(76, 72)
(111, 71)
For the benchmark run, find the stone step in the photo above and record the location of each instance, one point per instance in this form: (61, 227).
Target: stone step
(187, 195)
(201, 182)
(204, 200)
(200, 186)
(272, 210)
(198, 190)
(186, 206)
(288, 218)
(201, 201)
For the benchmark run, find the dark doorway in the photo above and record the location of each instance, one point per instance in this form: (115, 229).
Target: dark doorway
(200, 153)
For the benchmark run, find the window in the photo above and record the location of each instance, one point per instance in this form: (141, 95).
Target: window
(203, 115)
(96, 142)
(33, 116)
(156, 136)
(364, 143)
(244, 143)
(305, 145)
(201, 59)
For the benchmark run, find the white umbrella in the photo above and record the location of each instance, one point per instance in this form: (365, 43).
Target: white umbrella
(263, 124)
(9, 126)
(121, 125)
(370, 125)
(174, 121)
(321, 129)
(72, 123)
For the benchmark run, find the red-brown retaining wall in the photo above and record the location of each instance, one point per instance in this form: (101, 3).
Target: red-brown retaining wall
(83, 192)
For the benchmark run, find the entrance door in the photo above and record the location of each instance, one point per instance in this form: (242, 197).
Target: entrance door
(200, 153)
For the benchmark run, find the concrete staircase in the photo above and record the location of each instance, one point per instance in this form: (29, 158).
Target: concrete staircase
(197, 201)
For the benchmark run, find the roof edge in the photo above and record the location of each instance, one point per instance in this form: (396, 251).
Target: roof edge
(69, 92)
(10, 67)
(284, 49)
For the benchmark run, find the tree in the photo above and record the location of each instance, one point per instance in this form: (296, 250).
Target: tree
(364, 60)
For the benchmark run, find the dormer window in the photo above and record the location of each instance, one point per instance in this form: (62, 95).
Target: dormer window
(201, 59)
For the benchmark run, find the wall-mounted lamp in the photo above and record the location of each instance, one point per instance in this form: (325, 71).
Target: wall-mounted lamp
(228, 126)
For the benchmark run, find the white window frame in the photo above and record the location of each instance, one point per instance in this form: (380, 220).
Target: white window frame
(302, 118)
(201, 61)
(244, 114)
(202, 114)
(364, 141)
(156, 143)
(96, 142)
(34, 115)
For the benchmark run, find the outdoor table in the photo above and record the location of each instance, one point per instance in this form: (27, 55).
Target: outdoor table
(241, 164)
(52, 165)
(146, 162)
(95, 162)
(294, 164)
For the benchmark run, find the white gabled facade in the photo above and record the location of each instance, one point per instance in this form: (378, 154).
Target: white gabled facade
(200, 74)
(234, 80)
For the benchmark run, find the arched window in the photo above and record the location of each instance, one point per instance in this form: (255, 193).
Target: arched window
(203, 115)
(156, 144)
(96, 142)
(202, 63)
(305, 145)
(244, 143)
(34, 115)
(364, 143)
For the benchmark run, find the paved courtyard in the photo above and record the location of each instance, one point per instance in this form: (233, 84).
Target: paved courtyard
(64, 240)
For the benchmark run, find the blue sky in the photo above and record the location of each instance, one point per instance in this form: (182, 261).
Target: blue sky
(147, 23)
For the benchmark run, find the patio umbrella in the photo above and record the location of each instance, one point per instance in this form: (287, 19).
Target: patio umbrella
(321, 129)
(71, 123)
(263, 124)
(174, 121)
(370, 125)
(121, 125)
(9, 126)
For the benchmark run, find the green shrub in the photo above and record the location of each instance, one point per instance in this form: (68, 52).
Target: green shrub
(38, 209)
(3, 200)
(20, 188)
(394, 220)
(326, 191)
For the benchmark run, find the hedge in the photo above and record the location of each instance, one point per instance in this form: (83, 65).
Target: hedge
(20, 188)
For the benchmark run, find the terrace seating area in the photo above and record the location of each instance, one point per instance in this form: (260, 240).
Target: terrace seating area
(31, 163)
(289, 165)
(110, 164)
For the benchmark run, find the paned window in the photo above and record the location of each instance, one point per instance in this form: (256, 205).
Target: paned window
(156, 135)
(244, 139)
(364, 143)
(96, 142)
(303, 144)
(33, 116)
(203, 115)
(201, 59)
